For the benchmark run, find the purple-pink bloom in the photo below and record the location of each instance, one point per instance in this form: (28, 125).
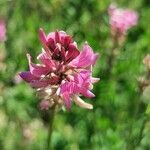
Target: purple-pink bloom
(2, 31)
(64, 73)
(122, 19)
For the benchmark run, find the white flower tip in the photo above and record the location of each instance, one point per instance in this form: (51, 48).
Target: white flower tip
(90, 106)
(28, 57)
(81, 103)
(75, 44)
(91, 86)
(41, 29)
(94, 80)
(58, 91)
(48, 91)
(61, 31)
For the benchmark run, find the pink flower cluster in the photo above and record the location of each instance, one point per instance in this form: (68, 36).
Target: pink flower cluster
(64, 74)
(122, 19)
(2, 31)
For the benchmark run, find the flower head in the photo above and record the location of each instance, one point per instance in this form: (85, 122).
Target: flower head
(64, 72)
(2, 31)
(122, 19)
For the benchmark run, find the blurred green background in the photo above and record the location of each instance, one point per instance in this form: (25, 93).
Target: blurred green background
(119, 118)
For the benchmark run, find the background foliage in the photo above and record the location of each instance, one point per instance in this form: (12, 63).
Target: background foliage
(119, 118)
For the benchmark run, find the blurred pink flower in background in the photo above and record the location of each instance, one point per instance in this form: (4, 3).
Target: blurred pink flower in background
(2, 30)
(64, 74)
(121, 19)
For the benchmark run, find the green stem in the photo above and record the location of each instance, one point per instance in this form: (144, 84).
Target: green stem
(111, 58)
(50, 130)
(110, 62)
(140, 136)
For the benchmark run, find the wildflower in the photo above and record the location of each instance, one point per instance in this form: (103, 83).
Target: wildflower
(2, 31)
(64, 74)
(121, 19)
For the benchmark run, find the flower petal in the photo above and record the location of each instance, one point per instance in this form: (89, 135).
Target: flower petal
(67, 100)
(42, 36)
(67, 87)
(66, 40)
(39, 83)
(27, 76)
(94, 80)
(86, 93)
(83, 78)
(72, 52)
(81, 103)
(57, 37)
(46, 60)
(37, 70)
(51, 44)
(43, 40)
(85, 58)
